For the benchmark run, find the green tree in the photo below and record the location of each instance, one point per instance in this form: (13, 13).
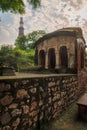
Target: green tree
(5, 58)
(15, 57)
(21, 42)
(28, 41)
(35, 3)
(16, 6)
(34, 36)
(23, 58)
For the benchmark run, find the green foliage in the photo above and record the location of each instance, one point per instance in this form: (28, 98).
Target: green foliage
(28, 41)
(21, 42)
(34, 36)
(17, 6)
(4, 55)
(22, 56)
(15, 57)
(35, 3)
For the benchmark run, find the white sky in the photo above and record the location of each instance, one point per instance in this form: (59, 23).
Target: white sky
(51, 16)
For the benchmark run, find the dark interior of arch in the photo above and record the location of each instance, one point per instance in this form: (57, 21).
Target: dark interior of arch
(51, 58)
(64, 57)
(42, 58)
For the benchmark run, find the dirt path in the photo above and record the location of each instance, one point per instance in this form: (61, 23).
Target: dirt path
(68, 121)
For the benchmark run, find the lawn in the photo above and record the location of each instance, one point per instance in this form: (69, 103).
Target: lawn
(68, 121)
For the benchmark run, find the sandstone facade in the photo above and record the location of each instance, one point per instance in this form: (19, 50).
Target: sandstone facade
(63, 50)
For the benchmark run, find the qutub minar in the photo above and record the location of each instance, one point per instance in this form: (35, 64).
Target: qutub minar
(21, 28)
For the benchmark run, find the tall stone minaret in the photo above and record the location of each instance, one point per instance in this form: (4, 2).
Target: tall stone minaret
(21, 28)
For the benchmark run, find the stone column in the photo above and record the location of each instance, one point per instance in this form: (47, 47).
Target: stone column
(46, 60)
(38, 58)
(57, 59)
(68, 58)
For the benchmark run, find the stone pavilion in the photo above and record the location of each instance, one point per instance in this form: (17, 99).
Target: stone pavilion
(63, 50)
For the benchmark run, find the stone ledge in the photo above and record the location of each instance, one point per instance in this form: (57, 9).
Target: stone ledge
(28, 76)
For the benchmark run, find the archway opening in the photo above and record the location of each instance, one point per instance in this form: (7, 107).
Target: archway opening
(42, 58)
(63, 57)
(51, 58)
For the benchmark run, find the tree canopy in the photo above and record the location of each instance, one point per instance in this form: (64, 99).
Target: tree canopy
(17, 6)
(27, 42)
(16, 58)
(22, 55)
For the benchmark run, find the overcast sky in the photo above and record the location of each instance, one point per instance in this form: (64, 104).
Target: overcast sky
(52, 15)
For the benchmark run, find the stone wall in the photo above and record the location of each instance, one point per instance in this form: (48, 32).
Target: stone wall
(82, 78)
(27, 103)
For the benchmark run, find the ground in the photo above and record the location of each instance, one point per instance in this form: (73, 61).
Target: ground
(68, 121)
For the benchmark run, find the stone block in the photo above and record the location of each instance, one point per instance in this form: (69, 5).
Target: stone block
(41, 115)
(4, 87)
(33, 90)
(22, 93)
(15, 84)
(49, 90)
(7, 128)
(50, 84)
(59, 103)
(35, 119)
(6, 100)
(53, 89)
(58, 96)
(16, 122)
(5, 118)
(40, 103)
(55, 105)
(55, 114)
(30, 122)
(16, 112)
(13, 106)
(25, 119)
(25, 109)
(33, 114)
(33, 106)
(25, 82)
(58, 83)
(55, 98)
(49, 100)
(41, 89)
(63, 94)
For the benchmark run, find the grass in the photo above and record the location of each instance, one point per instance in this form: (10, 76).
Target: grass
(68, 121)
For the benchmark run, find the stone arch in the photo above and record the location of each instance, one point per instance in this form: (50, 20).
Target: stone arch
(51, 58)
(42, 58)
(63, 57)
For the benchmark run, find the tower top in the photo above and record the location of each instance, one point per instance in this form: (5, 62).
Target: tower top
(21, 28)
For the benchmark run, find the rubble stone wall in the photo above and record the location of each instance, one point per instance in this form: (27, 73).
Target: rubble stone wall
(82, 78)
(26, 104)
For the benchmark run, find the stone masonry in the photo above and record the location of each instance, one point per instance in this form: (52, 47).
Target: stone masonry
(26, 104)
(63, 50)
